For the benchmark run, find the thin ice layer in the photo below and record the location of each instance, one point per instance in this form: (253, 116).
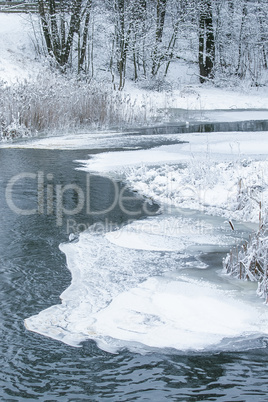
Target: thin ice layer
(169, 233)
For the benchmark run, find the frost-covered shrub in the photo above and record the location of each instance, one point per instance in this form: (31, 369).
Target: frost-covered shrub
(229, 189)
(13, 131)
(55, 102)
(156, 84)
(250, 262)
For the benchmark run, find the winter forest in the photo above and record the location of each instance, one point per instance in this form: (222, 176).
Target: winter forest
(228, 40)
(90, 49)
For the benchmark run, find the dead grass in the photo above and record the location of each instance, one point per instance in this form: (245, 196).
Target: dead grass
(54, 102)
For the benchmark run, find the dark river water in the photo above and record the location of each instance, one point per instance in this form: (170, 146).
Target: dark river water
(33, 274)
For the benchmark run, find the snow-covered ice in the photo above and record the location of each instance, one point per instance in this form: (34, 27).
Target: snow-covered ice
(128, 290)
(181, 314)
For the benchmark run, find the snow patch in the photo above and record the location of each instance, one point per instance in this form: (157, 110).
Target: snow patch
(17, 54)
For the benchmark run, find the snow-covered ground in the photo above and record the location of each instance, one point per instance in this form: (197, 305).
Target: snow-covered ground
(18, 60)
(137, 286)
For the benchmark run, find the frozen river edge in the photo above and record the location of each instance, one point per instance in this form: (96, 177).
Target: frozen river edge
(132, 314)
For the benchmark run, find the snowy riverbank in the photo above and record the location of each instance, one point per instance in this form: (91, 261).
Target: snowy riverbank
(222, 174)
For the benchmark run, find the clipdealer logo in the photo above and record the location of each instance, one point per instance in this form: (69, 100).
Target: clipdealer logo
(51, 198)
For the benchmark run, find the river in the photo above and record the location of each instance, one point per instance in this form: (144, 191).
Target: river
(33, 275)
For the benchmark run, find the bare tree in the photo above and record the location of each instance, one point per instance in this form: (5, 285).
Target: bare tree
(227, 39)
(61, 21)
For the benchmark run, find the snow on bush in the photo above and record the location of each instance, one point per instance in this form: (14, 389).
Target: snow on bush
(250, 262)
(13, 130)
(229, 189)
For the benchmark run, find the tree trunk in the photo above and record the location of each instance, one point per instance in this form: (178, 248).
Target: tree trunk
(206, 41)
(122, 41)
(45, 25)
(239, 70)
(84, 41)
(160, 21)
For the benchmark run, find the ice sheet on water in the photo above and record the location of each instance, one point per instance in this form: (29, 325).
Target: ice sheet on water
(168, 233)
(122, 294)
(185, 315)
(209, 147)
